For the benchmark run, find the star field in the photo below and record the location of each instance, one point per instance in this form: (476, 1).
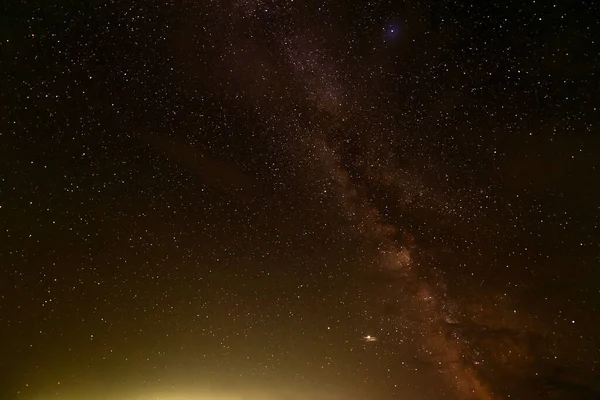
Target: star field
(299, 200)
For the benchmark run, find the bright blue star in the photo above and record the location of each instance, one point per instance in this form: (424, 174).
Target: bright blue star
(391, 31)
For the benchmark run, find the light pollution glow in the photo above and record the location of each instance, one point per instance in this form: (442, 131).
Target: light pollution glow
(195, 394)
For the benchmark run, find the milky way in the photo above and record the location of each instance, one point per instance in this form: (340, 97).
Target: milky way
(299, 200)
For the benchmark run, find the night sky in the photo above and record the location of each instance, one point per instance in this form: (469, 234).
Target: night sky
(299, 200)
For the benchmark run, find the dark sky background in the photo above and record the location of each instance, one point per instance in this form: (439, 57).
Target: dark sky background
(289, 200)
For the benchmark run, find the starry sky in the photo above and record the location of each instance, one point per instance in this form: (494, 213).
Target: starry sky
(299, 200)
